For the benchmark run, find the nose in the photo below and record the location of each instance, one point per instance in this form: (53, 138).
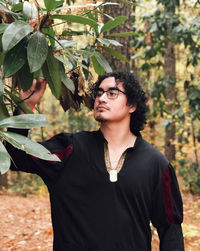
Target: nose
(103, 97)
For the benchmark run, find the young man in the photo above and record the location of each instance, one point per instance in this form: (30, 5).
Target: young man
(110, 183)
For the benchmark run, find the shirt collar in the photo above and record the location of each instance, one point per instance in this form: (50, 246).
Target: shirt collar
(102, 139)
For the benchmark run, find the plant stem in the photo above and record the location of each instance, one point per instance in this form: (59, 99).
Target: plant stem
(194, 143)
(38, 16)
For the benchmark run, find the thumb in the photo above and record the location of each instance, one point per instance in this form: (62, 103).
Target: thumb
(33, 87)
(41, 85)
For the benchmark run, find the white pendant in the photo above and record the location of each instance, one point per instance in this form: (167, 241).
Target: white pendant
(113, 175)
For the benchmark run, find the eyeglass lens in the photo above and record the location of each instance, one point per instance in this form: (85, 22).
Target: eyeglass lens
(111, 93)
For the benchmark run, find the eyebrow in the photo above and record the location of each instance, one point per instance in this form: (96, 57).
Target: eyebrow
(111, 88)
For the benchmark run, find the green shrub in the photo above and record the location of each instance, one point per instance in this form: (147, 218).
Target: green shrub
(191, 176)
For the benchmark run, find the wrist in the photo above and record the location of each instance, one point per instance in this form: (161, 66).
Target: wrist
(32, 106)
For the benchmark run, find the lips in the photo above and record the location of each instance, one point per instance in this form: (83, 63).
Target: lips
(101, 107)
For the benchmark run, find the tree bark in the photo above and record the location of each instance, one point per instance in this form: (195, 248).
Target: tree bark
(3, 181)
(170, 70)
(115, 11)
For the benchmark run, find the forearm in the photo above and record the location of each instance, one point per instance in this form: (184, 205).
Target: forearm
(171, 238)
(18, 157)
(167, 212)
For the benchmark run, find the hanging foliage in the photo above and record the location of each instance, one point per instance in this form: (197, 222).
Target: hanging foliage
(37, 41)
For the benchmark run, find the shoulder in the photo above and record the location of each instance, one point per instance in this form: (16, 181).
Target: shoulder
(84, 137)
(84, 134)
(64, 139)
(58, 142)
(153, 155)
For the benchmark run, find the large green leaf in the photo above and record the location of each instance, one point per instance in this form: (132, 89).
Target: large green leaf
(76, 19)
(23, 143)
(38, 74)
(29, 10)
(19, 103)
(17, 7)
(51, 73)
(116, 54)
(4, 159)
(24, 121)
(65, 62)
(113, 23)
(5, 9)
(50, 33)
(102, 61)
(122, 34)
(73, 60)
(52, 4)
(13, 2)
(89, 14)
(37, 51)
(3, 111)
(3, 27)
(25, 77)
(109, 42)
(14, 59)
(85, 52)
(98, 4)
(97, 67)
(73, 33)
(65, 80)
(2, 56)
(14, 33)
(62, 44)
(1, 89)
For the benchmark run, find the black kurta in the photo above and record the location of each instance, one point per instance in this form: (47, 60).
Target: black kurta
(90, 213)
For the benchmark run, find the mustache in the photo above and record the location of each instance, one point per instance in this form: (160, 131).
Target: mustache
(102, 106)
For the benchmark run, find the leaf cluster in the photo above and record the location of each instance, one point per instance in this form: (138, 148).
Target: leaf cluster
(32, 46)
(21, 142)
(190, 173)
(193, 97)
(162, 26)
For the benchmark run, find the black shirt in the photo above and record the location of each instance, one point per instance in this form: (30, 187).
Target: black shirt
(90, 213)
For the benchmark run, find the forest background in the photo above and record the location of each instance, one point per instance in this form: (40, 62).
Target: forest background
(158, 40)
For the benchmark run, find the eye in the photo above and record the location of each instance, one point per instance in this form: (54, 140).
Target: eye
(99, 93)
(112, 93)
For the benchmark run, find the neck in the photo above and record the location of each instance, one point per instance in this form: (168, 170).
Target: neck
(117, 134)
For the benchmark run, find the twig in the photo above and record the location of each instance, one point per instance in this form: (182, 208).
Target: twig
(38, 16)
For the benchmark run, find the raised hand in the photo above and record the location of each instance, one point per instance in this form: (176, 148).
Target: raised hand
(35, 93)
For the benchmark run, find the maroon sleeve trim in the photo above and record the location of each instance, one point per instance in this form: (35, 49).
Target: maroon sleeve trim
(65, 153)
(62, 154)
(168, 203)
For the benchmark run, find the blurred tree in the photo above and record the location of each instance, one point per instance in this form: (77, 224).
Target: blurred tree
(166, 49)
(170, 74)
(3, 181)
(121, 32)
(164, 31)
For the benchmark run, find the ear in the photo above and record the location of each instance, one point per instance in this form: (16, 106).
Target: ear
(132, 108)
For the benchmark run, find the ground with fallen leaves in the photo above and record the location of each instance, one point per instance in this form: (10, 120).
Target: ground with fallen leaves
(25, 224)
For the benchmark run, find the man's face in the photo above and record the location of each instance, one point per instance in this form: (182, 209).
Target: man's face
(109, 108)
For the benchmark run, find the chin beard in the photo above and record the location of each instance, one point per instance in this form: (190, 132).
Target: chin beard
(100, 119)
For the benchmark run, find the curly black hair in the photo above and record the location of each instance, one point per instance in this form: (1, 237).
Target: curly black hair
(135, 96)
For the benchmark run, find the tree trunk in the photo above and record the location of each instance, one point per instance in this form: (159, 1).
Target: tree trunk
(170, 71)
(3, 181)
(115, 11)
(152, 124)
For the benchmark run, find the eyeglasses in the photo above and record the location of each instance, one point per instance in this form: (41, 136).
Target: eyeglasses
(112, 93)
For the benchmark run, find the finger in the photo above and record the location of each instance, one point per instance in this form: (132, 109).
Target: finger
(41, 84)
(41, 79)
(33, 87)
(43, 87)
